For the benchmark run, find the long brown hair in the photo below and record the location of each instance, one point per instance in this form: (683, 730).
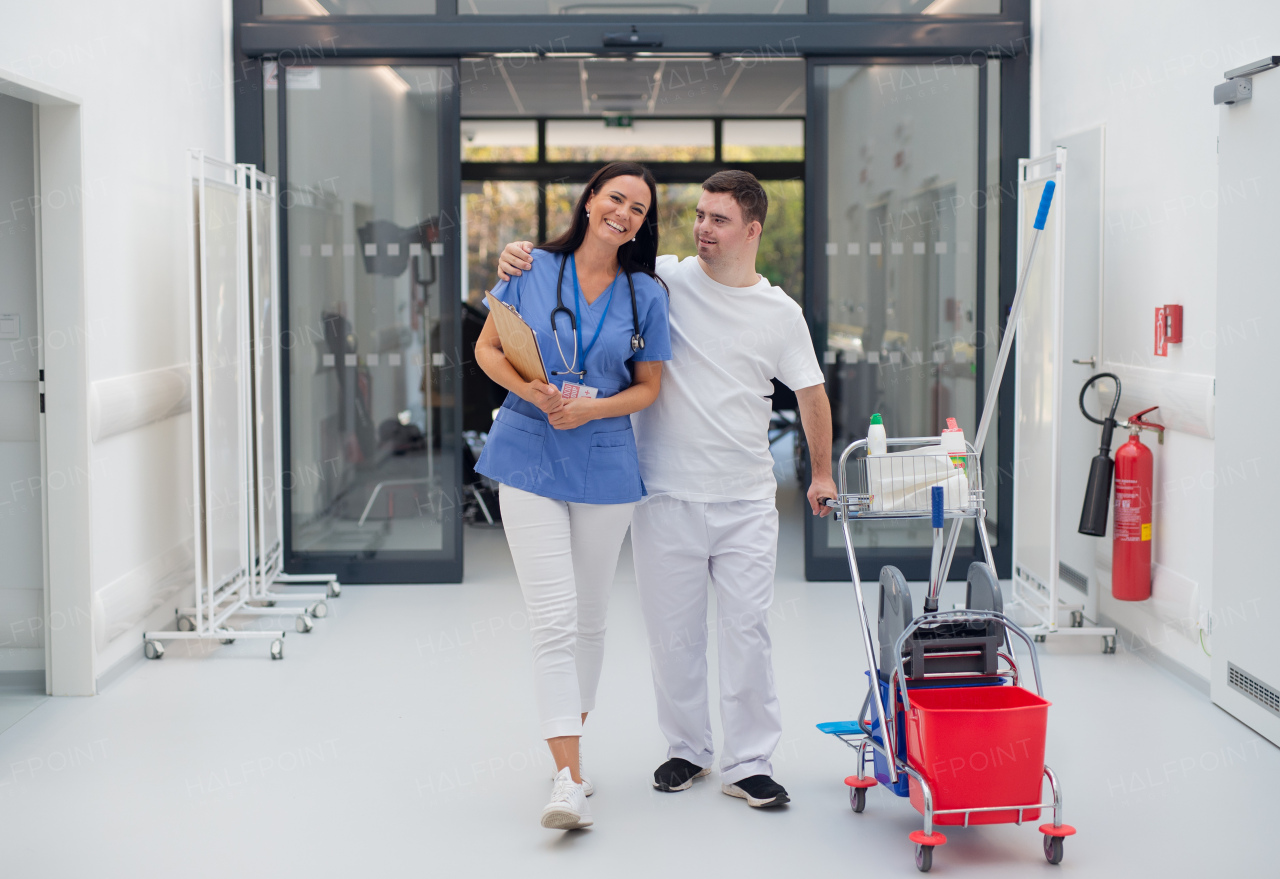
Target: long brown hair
(640, 255)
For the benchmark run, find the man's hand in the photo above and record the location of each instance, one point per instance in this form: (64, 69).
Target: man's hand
(546, 397)
(573, 413)
(821, 488)
(514, 260)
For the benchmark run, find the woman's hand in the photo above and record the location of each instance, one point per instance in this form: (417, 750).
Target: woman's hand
(546, 397)
(515, 260)
(573, 413)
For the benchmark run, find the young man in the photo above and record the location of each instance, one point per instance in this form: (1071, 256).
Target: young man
(710, 511)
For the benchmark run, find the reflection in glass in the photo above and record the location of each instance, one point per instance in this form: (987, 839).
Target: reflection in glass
(348, 7)
(631, 7)
(901, 246)
(914, 7)
(763, 140)
(369, 469)
(499, 140)
(668, 140)
(494, 213)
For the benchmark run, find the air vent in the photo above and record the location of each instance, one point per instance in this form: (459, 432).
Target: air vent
(1266, 696)
(1074, 577)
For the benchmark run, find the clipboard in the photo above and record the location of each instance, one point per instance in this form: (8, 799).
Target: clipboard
(519, 341)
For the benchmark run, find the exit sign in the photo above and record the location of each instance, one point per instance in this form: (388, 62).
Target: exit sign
(617, 122)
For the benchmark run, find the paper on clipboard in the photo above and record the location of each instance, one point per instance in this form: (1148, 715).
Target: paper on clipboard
(519, 341)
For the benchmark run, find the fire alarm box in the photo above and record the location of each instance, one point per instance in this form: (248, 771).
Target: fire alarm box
(1168, 328)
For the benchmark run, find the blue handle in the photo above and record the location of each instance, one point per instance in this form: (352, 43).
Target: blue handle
(937, 506)
(1045, 198)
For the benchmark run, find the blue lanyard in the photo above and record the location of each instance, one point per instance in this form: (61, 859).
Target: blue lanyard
(577, 310)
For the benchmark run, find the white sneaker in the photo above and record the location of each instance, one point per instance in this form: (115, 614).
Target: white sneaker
(587, 787)
(568, 807)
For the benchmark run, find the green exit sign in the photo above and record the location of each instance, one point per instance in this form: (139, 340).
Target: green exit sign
(617, 122)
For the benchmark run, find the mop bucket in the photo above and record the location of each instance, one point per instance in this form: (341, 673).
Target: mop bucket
(978, 747)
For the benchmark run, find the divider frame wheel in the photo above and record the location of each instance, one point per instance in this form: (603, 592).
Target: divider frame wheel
(277, 649)
(186, 624)
(1108, 644)
(335, 590)
(303, 623)
(152, 649)
(319, 610)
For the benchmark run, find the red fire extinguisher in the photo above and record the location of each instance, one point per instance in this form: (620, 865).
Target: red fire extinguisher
(1131, 550)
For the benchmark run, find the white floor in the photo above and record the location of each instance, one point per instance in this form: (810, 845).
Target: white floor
(398, 739)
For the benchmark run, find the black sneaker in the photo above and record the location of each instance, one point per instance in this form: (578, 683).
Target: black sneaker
(677, 774)
(759, 791)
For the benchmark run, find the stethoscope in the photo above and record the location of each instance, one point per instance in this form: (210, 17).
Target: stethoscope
(637, 340)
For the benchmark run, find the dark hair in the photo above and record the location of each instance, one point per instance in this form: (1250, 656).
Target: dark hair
(640, 255)
(746, 191)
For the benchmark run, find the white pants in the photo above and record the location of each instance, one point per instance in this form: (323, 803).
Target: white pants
(677, 545)
(566, 556)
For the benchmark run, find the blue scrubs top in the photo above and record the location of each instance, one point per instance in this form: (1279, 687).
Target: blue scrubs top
(596, 462)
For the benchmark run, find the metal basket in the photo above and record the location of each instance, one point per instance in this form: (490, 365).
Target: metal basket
(898, 485)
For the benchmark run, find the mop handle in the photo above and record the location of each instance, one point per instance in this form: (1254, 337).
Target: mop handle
(1011, 328)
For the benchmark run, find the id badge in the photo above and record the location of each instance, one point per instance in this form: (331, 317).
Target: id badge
(573, 390)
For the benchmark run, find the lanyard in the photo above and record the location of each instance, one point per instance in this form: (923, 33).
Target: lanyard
(577, 308)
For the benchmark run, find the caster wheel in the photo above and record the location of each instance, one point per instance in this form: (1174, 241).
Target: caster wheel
(319, 610)
(335, 590)
(1053, 849)
(1108, 643)
(302, 623)
(1077, 619)
(186, 624)
(857, 798)
(226, 640)
(277, 649)
(924, 858)
(1039, 639)
(152, 649)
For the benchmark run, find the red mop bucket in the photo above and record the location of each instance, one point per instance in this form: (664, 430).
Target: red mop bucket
(977, 747)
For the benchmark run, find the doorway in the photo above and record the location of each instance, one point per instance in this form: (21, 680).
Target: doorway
(536, 102)
(22, 508)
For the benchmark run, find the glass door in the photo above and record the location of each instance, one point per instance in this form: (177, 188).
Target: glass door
(368, 167)
(904, 165)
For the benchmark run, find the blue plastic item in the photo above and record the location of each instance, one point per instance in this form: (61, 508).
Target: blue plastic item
(936, 512)
(1045, 198)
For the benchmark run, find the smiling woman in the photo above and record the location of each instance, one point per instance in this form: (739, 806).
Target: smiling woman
(563, 451)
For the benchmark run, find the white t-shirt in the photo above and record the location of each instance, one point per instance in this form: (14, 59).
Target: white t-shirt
(706, 438)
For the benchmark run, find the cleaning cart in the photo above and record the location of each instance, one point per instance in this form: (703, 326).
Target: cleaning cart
(948, 719)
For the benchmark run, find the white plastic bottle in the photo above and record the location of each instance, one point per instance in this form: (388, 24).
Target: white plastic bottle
(953, 445)
(877, 444)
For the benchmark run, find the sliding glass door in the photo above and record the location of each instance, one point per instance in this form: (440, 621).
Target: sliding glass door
(367, 156)
(904, 260)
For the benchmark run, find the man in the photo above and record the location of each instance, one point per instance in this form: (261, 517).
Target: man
(711, 512)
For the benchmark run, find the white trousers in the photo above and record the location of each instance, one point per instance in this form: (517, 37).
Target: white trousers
(677, 546)
(566, 556)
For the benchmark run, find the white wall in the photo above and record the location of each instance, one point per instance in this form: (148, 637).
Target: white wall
(1146, 70)
(152, 80)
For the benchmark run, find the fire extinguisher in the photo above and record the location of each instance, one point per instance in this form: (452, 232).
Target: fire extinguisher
(1131, 547)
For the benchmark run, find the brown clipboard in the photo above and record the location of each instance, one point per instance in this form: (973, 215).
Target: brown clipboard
(519, 341)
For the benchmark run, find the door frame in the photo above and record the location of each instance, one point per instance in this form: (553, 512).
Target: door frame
(64, 422)
(822, 563)
(817, 36)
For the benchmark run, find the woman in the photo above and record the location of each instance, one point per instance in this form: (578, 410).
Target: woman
(563, 453)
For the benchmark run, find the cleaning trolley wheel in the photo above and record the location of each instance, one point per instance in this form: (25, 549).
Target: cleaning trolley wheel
(319, 610)
(1039, 639)
(1108, 643)
(152, 649)
(226, 640)
(302, 623)
(186, 624)
(1053, 849)
(857, 798)
(277, 649)
(1077, 619)
(924, 858)
(335, 590)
